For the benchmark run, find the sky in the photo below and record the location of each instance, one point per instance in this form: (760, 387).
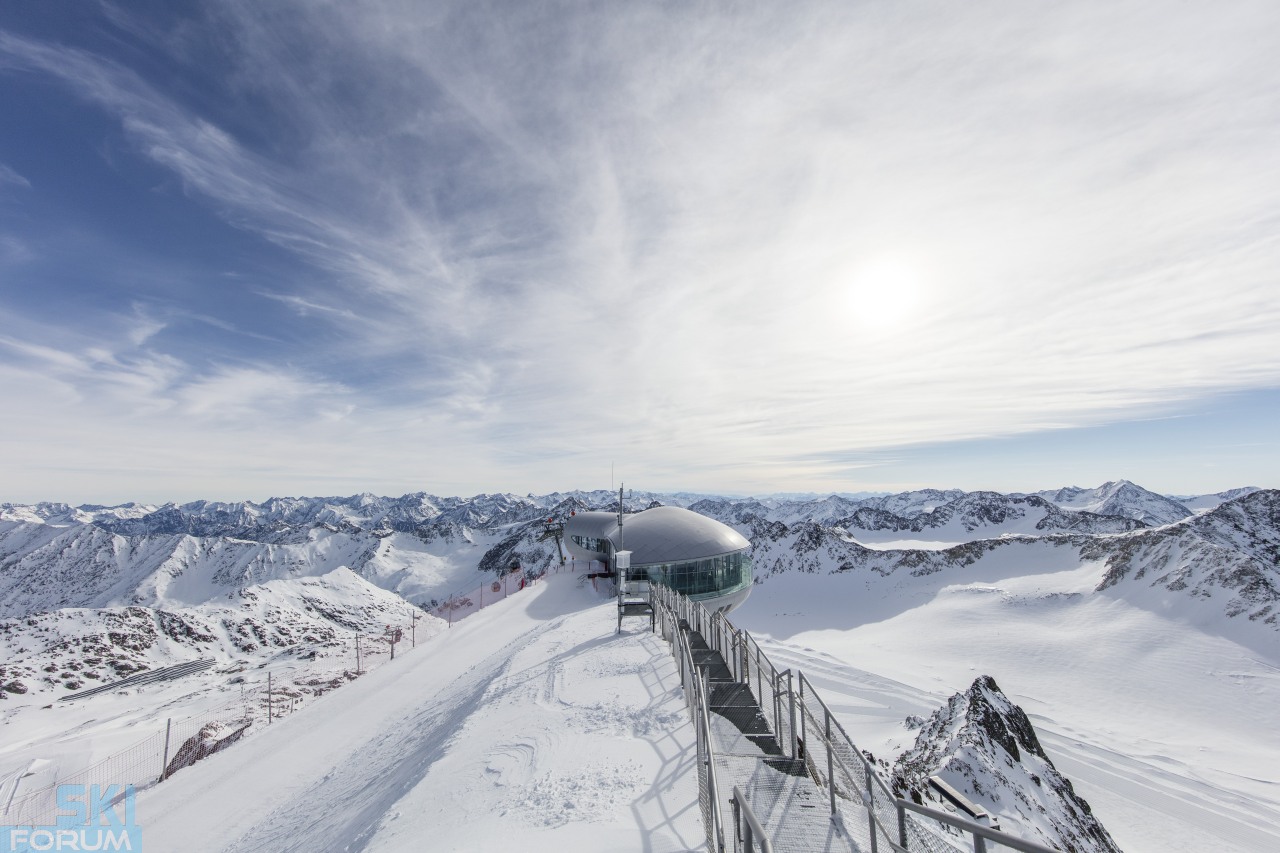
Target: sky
(301, 248)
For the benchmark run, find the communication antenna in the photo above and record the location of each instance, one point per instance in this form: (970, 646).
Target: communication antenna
(620, 561)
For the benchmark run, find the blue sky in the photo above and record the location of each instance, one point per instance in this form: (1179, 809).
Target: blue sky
(253, 249)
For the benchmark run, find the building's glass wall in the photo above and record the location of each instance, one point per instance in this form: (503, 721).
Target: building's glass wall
(590, 543)
(695, 578)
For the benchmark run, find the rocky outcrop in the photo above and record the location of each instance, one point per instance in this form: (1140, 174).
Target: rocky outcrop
(982, 745)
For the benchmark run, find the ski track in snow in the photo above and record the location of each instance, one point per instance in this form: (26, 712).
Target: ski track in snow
(1148, 803)
(529, 720)
(349, 802)
(1197, 816)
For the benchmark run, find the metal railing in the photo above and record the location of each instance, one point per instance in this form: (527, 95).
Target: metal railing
(742, 814)
(805, 729)
(147, 762)
(981, 834)
(476, 595)
(697, 695)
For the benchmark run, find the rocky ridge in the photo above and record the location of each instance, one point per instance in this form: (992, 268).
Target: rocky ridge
(982, 745)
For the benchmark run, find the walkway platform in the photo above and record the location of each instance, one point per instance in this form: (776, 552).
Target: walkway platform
(791, 807)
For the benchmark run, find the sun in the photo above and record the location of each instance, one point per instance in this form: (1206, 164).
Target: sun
(884, 293)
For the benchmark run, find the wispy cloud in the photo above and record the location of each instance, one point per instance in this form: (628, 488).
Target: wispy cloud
(12, 178)
(553, 235)
(307, 307)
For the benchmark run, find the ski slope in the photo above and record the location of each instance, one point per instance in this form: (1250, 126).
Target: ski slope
(530, 725)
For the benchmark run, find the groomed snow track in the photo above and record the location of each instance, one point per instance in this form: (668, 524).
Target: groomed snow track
(532, 725)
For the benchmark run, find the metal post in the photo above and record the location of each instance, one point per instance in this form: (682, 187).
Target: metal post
(450, 610)
(357, 654)
(737, 824)
(979, 844)
(732, 656)
(164, 762)
(902, 826)
(759, 678)
(777, 706)
(803, 732)
(269, 715)
(791, 698)
(831, 764)
(871, 810)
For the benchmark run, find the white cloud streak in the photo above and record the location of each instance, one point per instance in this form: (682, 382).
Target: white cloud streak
(570, 234)
(9, 176)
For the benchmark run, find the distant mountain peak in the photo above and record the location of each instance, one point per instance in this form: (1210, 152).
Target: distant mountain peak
(1119, 498)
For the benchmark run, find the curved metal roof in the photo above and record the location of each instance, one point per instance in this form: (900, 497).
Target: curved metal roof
(664, 534)
(597, 525)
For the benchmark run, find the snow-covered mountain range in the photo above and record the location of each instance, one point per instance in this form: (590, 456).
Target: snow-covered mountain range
(209, 575)
(92, 593)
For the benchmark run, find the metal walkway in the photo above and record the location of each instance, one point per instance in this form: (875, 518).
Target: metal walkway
(776, 770)
(748, 756)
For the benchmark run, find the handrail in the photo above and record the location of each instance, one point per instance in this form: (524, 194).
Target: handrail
(751, 666)
(713, 779)
(699, 702)
(848, 740)
(979, 831)
(755, 829)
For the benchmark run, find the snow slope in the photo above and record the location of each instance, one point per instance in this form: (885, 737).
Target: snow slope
(529, 725)
(1201, 503)
(1167, 729)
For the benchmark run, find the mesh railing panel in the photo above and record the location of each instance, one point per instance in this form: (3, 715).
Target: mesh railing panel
(919, 838)
(851, 784)
(136, 765)
(139, 765)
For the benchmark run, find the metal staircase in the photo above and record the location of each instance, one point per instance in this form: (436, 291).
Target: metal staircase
(773, 757)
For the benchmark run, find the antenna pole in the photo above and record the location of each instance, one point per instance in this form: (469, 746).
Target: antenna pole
(618, 570)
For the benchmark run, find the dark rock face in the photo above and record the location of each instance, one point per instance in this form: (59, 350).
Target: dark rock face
(1006, 726)
(983, 745)
(523, 548)
(212, 737)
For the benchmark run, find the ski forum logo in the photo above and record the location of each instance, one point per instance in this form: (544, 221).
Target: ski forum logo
(90, 817)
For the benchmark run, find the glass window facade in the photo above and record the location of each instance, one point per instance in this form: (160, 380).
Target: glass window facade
(712, 576)
(590, 543)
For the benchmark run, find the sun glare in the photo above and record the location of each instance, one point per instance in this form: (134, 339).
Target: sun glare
(884, 293)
